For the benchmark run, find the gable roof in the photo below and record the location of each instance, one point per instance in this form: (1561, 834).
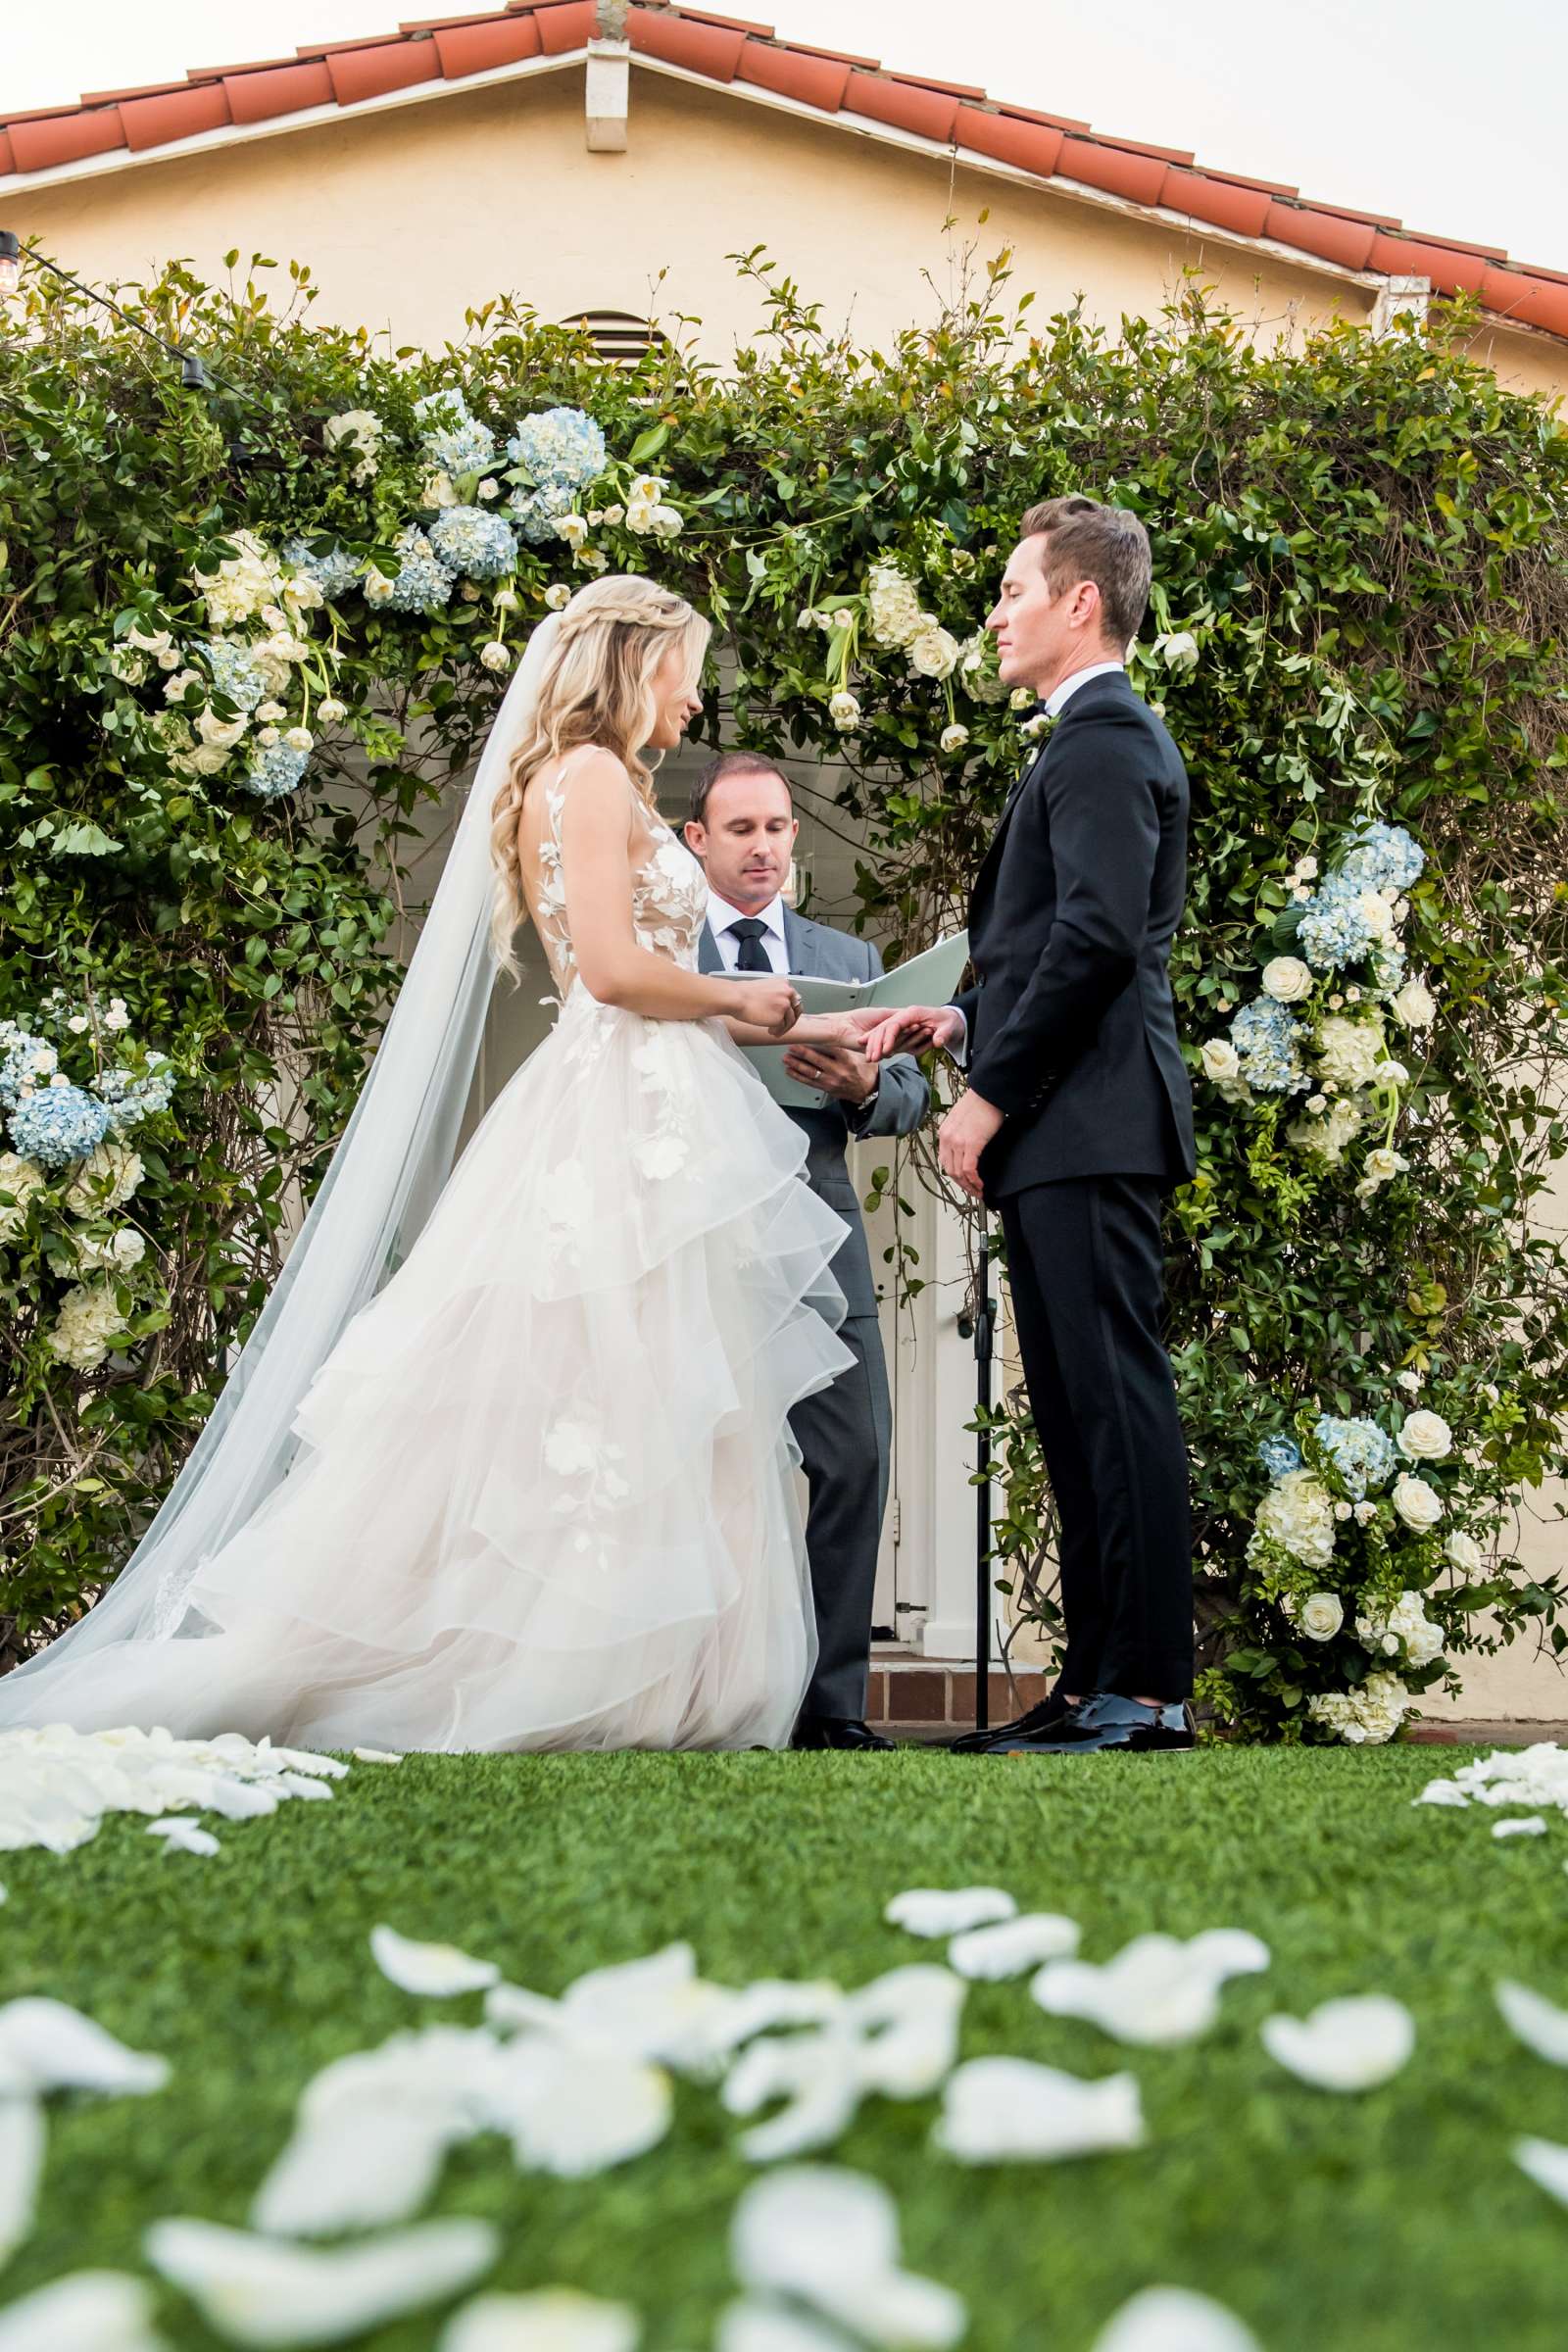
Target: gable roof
(106, 128)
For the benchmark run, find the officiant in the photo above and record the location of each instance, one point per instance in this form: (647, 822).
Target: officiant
(743, 828)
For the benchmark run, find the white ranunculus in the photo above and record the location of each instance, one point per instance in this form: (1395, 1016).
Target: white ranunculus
(1287, 979)
(1465, 1554)
(954, 738)
(1426, 1437)
(557, 597)
(934, 652)
(1419, 1505)
(1220, 1059)
(1380, 1168)
(329, 710)
(1320, 1616)
(300, 738)
(845, 711)
(1415, 1005)
(495, 655)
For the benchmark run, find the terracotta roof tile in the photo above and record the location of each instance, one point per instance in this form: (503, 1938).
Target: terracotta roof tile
(827, 82)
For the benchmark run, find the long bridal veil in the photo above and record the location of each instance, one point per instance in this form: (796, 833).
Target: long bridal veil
(381, 1184)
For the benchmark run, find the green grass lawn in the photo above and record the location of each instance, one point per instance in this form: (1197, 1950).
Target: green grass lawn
(1392, 2219)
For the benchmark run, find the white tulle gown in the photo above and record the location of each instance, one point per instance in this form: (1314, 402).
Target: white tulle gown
(546, 1495)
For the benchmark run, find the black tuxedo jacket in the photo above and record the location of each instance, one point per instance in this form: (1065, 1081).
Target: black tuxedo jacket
(1072, 1029)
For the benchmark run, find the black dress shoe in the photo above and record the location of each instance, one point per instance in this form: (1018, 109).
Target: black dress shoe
(836, 1731)
(1104, 1722)
(1036, 1723)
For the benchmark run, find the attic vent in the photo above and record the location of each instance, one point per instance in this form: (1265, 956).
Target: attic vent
(617, 336)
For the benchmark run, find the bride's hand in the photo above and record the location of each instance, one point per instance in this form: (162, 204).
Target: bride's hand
(773, 1005)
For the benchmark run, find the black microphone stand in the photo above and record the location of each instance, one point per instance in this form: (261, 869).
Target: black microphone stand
(981, 1326)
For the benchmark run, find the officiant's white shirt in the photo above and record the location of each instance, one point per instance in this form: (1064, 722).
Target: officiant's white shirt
(1055, 701)
(774, 944)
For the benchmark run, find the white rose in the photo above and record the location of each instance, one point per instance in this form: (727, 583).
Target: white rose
(221, 733)
(495, 655)
(265, 737)
(265, 712)
(1465, 1554)
(845, 711)
(1419, 1505)
(1365, 1513)
(1287, 979)
(1408, 1380)
(489, 488)
(300, 738)
(438, 491)
(1320, 1616)
(1220, 1059)
(933, 654)
(1415, 1005)
(557, 597)
(1305, 870)
(329, 710)
(1426, 1437)
(78, 1023)
(954, 738)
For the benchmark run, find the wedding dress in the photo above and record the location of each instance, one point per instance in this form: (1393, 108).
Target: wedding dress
(543, 1493)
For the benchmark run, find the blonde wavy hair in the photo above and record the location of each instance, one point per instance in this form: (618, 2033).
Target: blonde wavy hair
(597, 687)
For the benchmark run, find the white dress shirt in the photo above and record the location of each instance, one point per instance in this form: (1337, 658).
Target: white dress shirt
(774, 946)
(1055, 701)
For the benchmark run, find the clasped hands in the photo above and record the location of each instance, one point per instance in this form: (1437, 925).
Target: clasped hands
(972, 1121)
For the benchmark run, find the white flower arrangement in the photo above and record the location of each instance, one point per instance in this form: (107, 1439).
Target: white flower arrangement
(362, 428)
(1369, 1716)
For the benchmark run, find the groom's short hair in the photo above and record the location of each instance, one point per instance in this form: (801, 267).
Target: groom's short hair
(1087, 540)
(732, 763)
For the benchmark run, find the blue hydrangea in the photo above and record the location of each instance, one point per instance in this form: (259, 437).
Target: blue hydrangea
(424, 583)
(480, 545)
(22, 1052)
(1363, 1455)
(1381, 857)
(1333, 928)
(58, 1124)
(334, 574)
(234, 673)
(536, 511)
(275, 769)
(454, 440)
(1280, 1455)
(560, 446)
(129, 1098)
(1266, 1037)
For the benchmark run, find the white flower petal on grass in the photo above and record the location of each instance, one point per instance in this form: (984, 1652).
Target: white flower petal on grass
(1531, 1825)
(1171, 2318)
(374, 1755)
(949, 1910)
(814, 2074)
(998, 2109)
(656, 2008)
(1546, 2162)
(90, 2310)
(436, 1971)
(45, 2046)
(366, 2165)
(181, 1835)
(262, 2291)
(572, 2112)
(556, 2318)
(1540, 2026)
(758, 2326)
(1441, 1792)
(908, 2024)
(1157, 1990)
(830, 2240)
(771, 2003)
(1013, 1945)
(22, 2141)
(1352, 2044)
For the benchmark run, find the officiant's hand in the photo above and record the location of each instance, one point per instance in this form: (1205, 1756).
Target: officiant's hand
(839, 1070)
(961, 1138)
(909, 1030)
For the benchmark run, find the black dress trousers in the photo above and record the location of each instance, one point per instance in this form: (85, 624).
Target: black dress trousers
(1085, 1272)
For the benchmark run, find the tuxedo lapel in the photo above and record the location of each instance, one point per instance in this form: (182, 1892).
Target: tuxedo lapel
(794, 940)
(992, 857)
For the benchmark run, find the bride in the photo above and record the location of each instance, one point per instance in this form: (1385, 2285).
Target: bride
(506, 1461)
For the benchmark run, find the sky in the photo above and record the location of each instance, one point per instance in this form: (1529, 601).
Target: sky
(1440, 112)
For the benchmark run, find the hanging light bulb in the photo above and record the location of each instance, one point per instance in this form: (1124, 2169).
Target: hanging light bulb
(10, 262)
(192, 374)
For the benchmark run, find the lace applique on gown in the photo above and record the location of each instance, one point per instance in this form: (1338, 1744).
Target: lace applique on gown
(546, 1493)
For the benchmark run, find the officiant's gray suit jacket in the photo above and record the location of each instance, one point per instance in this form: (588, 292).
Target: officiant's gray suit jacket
(897, 1107)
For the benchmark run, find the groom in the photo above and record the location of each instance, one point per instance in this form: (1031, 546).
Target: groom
(1078, 1120)
(743, 828)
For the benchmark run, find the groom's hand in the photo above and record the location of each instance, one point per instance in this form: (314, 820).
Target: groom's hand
(909, 1030)
(961, 1138)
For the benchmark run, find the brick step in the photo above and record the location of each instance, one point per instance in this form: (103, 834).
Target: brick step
(922, 1696)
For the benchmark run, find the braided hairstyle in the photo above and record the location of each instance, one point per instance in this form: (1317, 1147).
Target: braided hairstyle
(597, 687)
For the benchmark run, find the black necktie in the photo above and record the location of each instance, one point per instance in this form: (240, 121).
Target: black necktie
(753, 956)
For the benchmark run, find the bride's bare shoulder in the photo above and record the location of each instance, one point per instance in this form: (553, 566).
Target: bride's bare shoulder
(591, 777)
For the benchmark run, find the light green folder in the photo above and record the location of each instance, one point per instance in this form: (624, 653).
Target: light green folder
(928, 979)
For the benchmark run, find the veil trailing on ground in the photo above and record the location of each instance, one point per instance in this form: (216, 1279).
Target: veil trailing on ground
(381, 1187)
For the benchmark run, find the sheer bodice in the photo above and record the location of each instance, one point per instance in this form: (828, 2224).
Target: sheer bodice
(669, 892)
